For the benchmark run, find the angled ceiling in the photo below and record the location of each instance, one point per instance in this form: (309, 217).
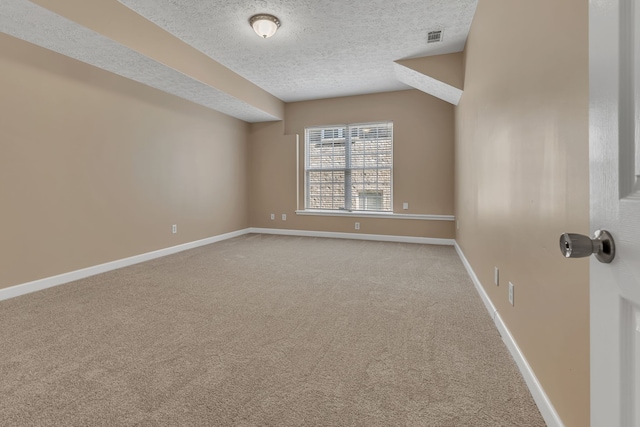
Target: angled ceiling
(206, 52)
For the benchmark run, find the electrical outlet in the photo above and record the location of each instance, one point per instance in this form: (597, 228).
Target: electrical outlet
(273, 216)
(284, 217)
(174, 228)
(496, 276)
(357, 226)
(405, 206)
(511, 293)
(457, 225)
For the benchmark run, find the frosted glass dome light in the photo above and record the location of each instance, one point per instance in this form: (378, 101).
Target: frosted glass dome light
(264, 25)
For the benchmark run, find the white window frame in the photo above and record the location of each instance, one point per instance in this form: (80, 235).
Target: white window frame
(346, 136)
(367, 197)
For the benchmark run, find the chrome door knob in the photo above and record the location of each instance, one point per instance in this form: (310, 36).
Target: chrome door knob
(579, 246)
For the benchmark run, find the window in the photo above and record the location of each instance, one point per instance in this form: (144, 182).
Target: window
(369, 201)
(334, 133)
(349, 167)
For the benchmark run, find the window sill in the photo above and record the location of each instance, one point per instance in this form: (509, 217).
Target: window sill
(386, 215)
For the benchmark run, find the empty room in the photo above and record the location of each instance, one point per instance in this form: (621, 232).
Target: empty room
(319, 213)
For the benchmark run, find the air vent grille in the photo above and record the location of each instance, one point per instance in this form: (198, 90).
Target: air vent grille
(434, 36)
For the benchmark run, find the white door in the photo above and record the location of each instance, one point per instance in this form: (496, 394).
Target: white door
(614, 140)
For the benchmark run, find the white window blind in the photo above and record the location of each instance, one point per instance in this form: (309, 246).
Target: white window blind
(349, 167)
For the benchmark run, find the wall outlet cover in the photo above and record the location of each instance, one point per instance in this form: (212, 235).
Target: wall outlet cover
(511, 293)
(284, 217)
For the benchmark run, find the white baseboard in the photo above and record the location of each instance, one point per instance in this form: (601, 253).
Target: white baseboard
(485, 298)
(354, 236)
(60, 279)
(545, 406)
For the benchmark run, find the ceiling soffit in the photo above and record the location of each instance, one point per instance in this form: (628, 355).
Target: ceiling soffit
(207, 53)
(27, 21)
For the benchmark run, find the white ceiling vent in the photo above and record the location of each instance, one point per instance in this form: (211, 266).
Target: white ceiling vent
(434, 36)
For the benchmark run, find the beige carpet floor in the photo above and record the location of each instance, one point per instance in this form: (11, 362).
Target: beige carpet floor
(263, 331)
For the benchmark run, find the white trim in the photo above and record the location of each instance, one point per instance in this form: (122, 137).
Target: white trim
(297, 171)
(61, 279)
(354, 236)
(545, 406)
(361, 214)
(483, 295)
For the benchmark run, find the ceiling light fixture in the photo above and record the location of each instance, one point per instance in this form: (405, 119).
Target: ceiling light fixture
(264, 25)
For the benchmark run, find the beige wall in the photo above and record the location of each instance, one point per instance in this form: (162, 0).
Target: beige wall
(423, 162)
(95, 168)
(522, 180)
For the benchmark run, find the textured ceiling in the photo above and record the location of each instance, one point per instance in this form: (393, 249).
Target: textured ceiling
(324, 48)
